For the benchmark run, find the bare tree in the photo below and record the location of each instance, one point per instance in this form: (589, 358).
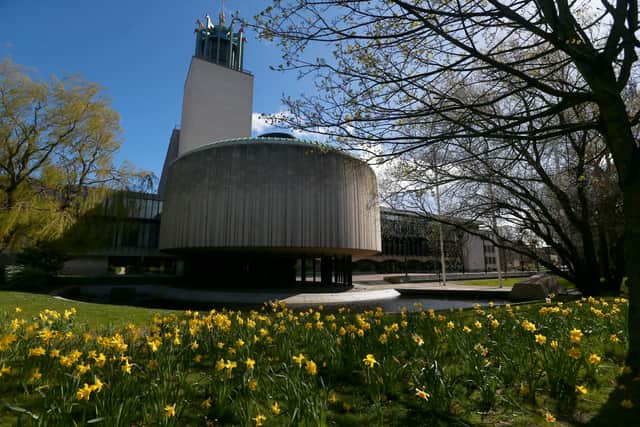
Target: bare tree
(559, 193)
(404, 62)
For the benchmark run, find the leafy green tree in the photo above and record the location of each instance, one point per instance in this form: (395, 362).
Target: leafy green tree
(405, 62)
(57, 143)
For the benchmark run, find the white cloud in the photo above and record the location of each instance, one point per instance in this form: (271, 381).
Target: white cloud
(259, 124)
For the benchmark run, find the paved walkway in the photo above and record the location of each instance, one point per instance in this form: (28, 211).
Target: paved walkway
(372, 289)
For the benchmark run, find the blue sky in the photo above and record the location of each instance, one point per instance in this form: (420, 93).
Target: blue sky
(139, 51)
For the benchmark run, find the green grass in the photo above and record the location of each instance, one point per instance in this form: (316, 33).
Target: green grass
(492, 282)
(510, 281)
(91, 315)
(473, 363)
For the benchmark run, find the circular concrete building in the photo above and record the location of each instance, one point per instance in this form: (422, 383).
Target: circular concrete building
(249, 209)
(268, 210)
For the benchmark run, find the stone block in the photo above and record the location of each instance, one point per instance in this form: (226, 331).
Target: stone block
(536, 287)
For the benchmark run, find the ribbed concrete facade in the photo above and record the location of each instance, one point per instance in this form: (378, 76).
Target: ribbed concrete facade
(273, 196)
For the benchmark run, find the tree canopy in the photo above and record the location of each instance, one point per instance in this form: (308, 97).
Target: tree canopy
(58, 139)
(499, 69)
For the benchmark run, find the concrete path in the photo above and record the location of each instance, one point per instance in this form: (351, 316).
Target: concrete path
(372, 290)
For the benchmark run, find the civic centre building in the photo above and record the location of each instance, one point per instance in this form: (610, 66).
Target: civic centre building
(239, 209)
(235, 209)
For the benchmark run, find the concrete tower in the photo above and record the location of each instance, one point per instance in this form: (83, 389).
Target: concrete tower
(218, 94)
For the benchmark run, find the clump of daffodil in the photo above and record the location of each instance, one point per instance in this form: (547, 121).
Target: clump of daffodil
(528, 326)
(575, 336)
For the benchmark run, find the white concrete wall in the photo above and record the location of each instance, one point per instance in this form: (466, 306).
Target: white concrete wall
(216, 105)
(473, 253)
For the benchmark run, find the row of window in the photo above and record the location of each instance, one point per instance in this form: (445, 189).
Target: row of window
(136, 235)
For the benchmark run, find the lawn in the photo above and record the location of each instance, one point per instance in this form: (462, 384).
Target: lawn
(510, 281)
(90, 315)
(65, 363)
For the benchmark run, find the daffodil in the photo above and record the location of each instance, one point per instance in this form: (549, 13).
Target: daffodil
(97, 385)
(37, 351)
(422, 394)
(298, 359)
(36, 375)
(370, 360)
(594, 359)
(575, 335)
(311, 368)
(250, 363)
(275, 408)
(528, 326)
(541, 339)
(259, 419)
(81, 369)
(170, 410)
(220, 365)
(206, 404)
(418, 340)
(5, 370)
(451, 325)
(229, 365)
(580, 389)
(84, 393)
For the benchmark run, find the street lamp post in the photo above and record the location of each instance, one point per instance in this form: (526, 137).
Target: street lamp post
(442, 261)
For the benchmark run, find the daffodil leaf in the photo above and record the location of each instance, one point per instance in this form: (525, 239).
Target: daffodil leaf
(19, 409)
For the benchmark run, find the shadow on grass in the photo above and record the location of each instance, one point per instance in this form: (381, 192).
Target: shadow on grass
(613, 413)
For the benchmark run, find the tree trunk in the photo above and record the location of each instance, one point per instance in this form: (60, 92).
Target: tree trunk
(626, 156)
(631, 194)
